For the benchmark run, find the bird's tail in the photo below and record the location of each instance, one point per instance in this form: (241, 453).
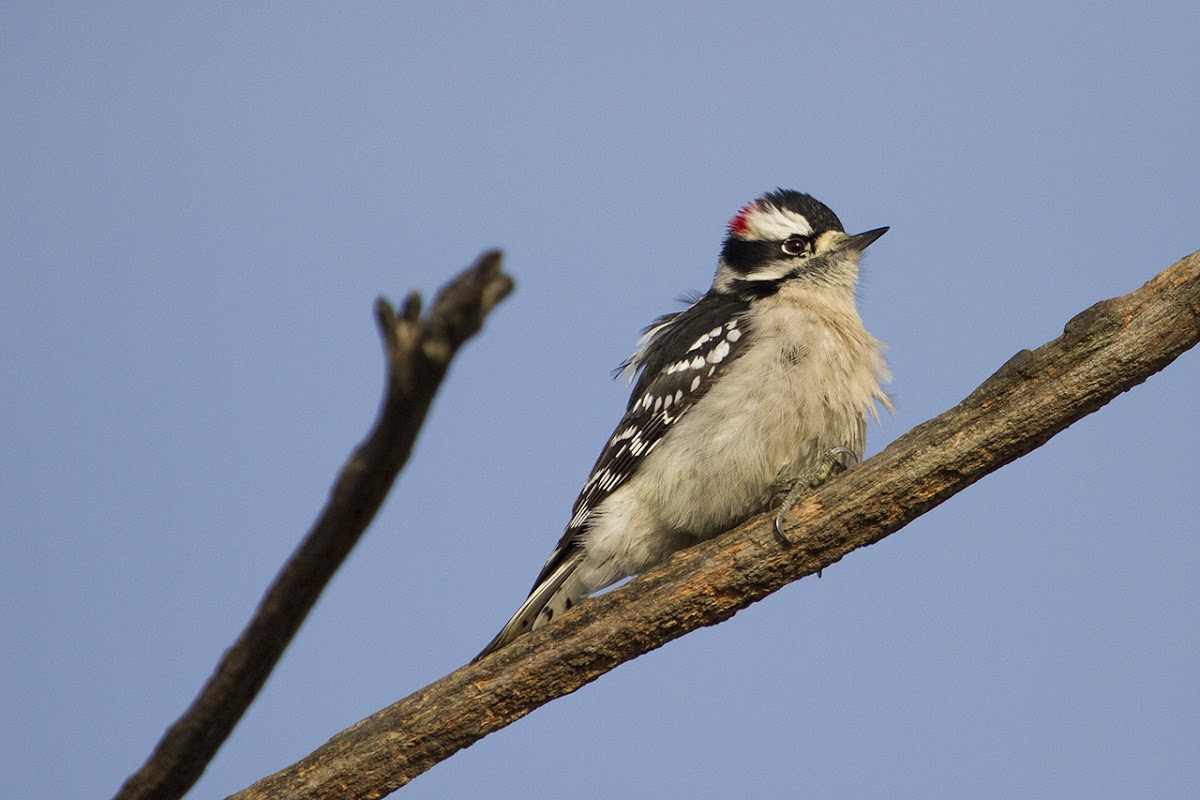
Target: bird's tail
(560, 590)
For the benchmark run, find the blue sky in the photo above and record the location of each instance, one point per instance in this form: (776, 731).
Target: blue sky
(200, 206)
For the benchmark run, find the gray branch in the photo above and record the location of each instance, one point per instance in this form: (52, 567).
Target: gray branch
(419, 351)
(1104, 351)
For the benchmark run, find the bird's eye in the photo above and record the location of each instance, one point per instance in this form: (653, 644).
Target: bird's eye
(796, 245)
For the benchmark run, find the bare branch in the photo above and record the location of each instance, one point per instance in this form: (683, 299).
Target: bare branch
(1104, 351)
(418, 354)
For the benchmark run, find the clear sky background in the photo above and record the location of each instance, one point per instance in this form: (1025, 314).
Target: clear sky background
(200, 205)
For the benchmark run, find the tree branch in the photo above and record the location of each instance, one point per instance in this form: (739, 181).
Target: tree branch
(1104, 351)
(418, 353)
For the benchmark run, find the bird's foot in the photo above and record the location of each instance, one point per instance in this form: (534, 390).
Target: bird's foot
(834, 462)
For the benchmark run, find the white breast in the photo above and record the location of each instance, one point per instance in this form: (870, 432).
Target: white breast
(806, 386)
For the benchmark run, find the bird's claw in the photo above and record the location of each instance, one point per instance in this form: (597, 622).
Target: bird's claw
(831, 464)
(835, 466)
(780, 536)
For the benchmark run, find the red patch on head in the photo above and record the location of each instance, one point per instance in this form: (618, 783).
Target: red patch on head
(740, 223)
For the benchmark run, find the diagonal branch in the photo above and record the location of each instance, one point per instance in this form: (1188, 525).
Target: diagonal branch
(1104, 351)
(418, 352)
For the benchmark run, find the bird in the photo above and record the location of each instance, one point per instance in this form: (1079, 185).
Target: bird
(758, 390)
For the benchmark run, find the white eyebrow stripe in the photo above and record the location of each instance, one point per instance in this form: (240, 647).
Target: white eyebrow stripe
(770, 223)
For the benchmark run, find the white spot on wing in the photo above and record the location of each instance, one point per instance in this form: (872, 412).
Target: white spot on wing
(718, 353)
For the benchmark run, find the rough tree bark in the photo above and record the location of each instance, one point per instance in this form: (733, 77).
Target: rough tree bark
(1104, 351)
(419, 351)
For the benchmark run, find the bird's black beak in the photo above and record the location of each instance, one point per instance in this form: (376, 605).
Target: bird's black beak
(863, 240)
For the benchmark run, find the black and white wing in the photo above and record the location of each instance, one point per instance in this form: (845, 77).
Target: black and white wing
(679, 358)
